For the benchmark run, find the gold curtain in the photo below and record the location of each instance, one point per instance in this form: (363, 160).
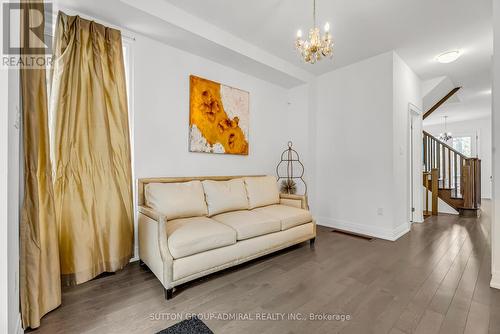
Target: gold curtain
(39, 278)
(93, 178)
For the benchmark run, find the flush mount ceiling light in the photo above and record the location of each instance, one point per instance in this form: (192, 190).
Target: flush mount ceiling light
(448, 57)
(316, 46)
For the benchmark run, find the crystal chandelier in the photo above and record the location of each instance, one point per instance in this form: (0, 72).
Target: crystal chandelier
(317, 46)
(445, 136)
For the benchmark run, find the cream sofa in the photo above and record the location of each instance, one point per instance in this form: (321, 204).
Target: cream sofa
(191, 227)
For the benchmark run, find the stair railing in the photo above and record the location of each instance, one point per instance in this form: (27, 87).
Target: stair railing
(431, 184)
(456, 172)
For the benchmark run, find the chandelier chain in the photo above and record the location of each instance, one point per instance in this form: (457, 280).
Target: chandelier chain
(314, 13)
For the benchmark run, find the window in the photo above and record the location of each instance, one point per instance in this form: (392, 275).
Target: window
(128, 62)
(128, 69)
(463, 145)
(129, 77)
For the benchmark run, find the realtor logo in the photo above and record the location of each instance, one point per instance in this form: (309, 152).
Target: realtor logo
(25, 45)
(30, 39)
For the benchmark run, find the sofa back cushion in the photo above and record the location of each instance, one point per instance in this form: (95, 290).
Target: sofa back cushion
(177, 200)
(224, 196)
(262, 191)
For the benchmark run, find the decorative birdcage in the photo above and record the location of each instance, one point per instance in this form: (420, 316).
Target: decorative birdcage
(290, 170)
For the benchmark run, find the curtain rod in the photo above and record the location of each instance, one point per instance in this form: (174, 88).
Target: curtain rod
(50, 17)
(123, 36)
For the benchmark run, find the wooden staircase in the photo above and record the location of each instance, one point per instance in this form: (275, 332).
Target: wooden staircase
(452, 177)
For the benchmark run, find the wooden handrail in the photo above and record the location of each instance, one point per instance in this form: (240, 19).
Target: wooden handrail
(446, 145)
(440, 102)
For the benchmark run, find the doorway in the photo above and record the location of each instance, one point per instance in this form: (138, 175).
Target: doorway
(415, 208)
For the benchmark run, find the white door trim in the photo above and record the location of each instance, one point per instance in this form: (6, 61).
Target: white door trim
(415, 164)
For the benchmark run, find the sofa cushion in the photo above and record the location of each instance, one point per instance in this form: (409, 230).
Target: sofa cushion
(288, 216)
(224, 196)
(249, 224)
(262, 191)
(189, 236)
(177, 200)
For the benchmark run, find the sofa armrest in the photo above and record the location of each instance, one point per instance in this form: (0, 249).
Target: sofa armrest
(153, 244)
(299, 201)
(152, 214)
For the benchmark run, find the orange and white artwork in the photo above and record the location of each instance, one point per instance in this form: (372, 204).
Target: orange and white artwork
(218, 118)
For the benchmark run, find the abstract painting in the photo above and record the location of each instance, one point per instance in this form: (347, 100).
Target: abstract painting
(218, 118)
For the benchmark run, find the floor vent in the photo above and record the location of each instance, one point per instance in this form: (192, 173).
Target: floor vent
(354, 235)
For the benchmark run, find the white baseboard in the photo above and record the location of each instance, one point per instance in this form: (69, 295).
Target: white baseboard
(495, 280)
(418, 218)
(373, 231)
(19, 325)
(136, 255)
(400, 231)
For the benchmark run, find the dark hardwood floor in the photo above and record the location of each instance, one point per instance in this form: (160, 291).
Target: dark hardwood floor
(435, 279)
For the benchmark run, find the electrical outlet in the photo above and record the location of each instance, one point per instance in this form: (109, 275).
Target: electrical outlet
(380, 211)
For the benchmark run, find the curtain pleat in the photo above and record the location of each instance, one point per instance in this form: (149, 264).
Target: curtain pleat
(92, 160)
(39, 277)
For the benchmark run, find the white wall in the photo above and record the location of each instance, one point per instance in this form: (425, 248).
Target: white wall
(298, 121)
(313, 140)
(161, 110)
(483, 129)
(495, 223)
(4, 236)
(354, 147)
(161, 116)
(407, 90)
(14, 200)
(362, 146)
(9, 201)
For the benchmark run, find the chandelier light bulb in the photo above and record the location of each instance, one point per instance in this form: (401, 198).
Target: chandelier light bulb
(327, 27)
(299, 33)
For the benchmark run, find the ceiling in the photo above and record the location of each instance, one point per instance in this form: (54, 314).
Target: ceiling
(157, 19)
(263, 31)
(418, 30)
